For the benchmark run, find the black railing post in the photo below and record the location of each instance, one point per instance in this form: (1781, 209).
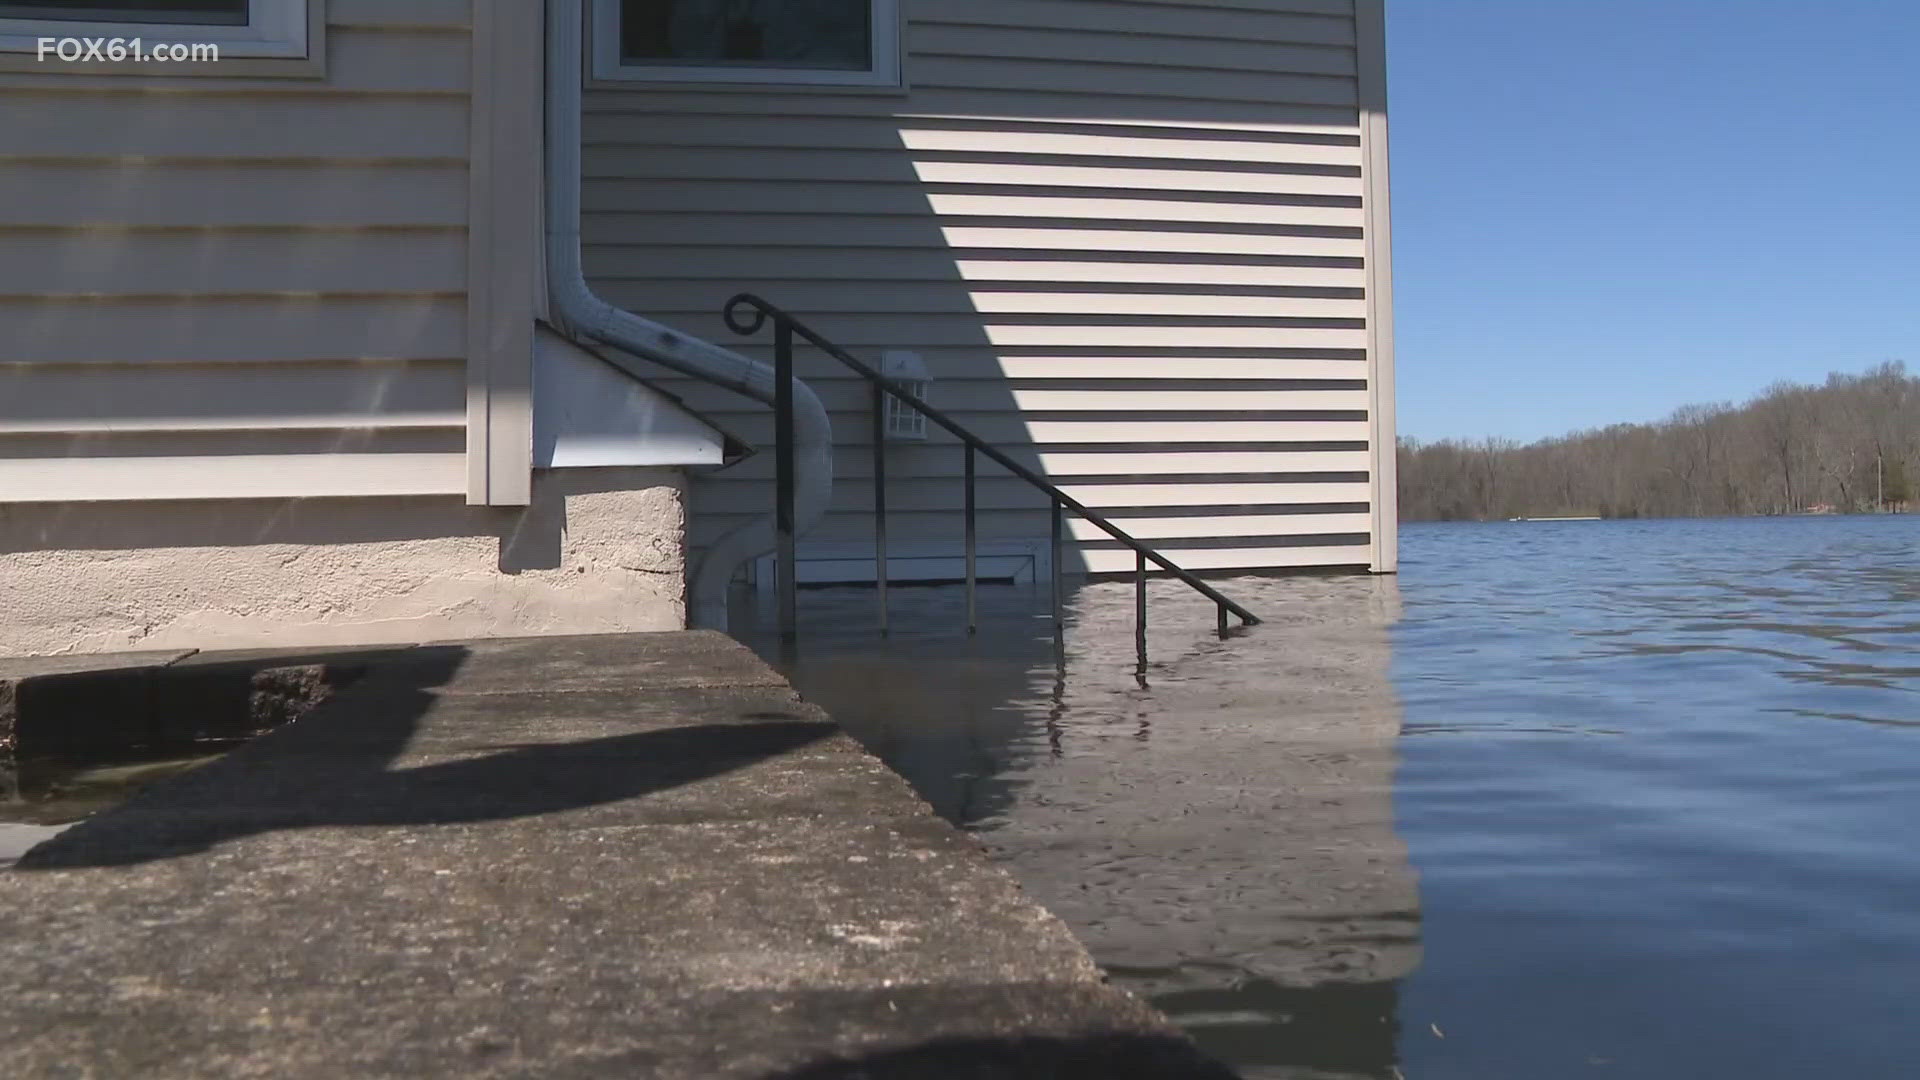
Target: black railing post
(1059, 597)
(1140, 609)
(973, 535)
(880, 502)
(783, 515)
(1222, 610)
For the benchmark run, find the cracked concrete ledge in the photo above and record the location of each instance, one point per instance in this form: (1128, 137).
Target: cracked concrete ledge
(127, 701)
(633, 856)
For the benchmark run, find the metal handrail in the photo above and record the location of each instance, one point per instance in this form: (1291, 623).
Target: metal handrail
(785, 327)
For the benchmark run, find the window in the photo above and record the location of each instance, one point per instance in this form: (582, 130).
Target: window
(240, 28)
(798, 42)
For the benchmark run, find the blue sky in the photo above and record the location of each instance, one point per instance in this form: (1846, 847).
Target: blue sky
(1605, 209)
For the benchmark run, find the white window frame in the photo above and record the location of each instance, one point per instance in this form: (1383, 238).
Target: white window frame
(885, 72)
(274, 28)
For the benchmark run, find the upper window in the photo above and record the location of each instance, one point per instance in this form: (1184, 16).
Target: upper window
(238, 28)
(803, 42)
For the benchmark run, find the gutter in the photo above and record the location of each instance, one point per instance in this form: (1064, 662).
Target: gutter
(577, 312)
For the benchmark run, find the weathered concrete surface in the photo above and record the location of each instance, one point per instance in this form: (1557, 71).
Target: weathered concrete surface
(631, 856)
(598, 551)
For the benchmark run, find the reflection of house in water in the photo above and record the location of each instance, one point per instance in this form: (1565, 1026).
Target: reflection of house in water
(1222, 840)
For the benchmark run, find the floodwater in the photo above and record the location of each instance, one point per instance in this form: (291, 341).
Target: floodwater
(41, 797)
(1563, 799)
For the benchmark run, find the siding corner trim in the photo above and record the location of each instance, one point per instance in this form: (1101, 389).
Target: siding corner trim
(1371, 26)
(503, 252)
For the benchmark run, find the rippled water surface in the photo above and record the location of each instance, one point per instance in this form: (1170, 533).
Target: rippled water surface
(1634, 799)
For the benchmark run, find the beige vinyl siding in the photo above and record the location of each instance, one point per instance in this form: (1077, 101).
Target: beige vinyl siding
(1126, 237)
(235, 287)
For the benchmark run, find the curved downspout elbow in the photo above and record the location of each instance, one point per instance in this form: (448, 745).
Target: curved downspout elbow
(576, 310)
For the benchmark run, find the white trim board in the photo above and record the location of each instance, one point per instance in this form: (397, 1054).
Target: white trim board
(1383, 439)
(503, 248)
(229, 476)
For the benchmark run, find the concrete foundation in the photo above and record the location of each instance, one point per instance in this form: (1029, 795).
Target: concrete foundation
(599, 551)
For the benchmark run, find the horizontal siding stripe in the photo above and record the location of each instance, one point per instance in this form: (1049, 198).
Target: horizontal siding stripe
(1229, 550)
(909, 198)
(338, 195)
(1141, 208)
(236, 330)
(1132, 146)
(1195, 531)
(1299, 179)
(220, 262)
(1005, 430)
(1138, 496)
(281, 229)
(775, 231)
(845, 266)
(1230, 543)
(129, 445)
(923, 495)
(1067, 464)
(983, 105)
(1117, 137)
(617, 169)
(400, 14)
(944, 461)
(1234, 525)
(316, 128)
(951, 365)
(77, 399)
(1266, 22)
(981, 395)
(1116, 45)
(1167, 240)
(1341, 9)
(665, 300)
(936, 70)
(1186, 367)
(887, 331)
(1357, 556)
(231, 477)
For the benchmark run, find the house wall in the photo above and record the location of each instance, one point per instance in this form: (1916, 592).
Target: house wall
(242, 381)
(1130, 240)
(241, 286)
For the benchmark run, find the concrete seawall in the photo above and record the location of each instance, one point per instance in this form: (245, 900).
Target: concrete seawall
(636, 856)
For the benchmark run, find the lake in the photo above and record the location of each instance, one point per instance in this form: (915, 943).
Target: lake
(1562, 799)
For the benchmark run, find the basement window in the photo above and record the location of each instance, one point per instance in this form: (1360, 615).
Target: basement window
(238, 28)
(789, 42)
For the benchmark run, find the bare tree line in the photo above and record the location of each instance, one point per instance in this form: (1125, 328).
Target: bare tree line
(1848, 446)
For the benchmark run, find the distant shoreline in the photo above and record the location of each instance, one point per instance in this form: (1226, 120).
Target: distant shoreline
(1658, 517)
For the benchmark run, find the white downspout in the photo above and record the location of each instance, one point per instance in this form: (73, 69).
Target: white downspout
(574, 309)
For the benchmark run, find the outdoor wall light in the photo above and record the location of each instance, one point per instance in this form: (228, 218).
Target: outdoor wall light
(902, 421)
